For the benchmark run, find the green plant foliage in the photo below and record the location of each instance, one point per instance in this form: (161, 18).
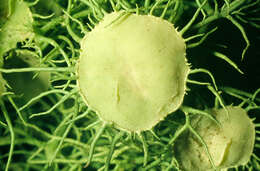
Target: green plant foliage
(25, 85)
(103, 84)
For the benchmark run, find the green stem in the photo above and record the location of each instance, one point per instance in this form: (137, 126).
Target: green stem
(17, 110)
(226, 10)
(93, 144)
(38, 69)
(145, 147)
(112, 148)
(10, 126)
(63, 99)
(188, 25)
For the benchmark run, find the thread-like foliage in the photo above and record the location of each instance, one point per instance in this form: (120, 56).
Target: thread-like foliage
(56, 130)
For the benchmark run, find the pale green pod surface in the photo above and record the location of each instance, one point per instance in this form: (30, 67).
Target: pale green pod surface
(16, 27)
(229, 145)
(24, 84)
(3, 17)
(132, 70)
(4, 9)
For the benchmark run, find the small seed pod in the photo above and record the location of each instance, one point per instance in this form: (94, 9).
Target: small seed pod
(230, 144)
(132, 70)
(15, 25)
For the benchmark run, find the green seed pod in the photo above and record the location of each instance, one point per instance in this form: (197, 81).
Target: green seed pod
(230, 144)
(24, 83)
(16, 26)
(4, 10)
(132, 70)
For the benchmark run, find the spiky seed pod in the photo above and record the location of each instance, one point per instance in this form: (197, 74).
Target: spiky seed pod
(15, 26)
(230, 144)
(132, 70)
